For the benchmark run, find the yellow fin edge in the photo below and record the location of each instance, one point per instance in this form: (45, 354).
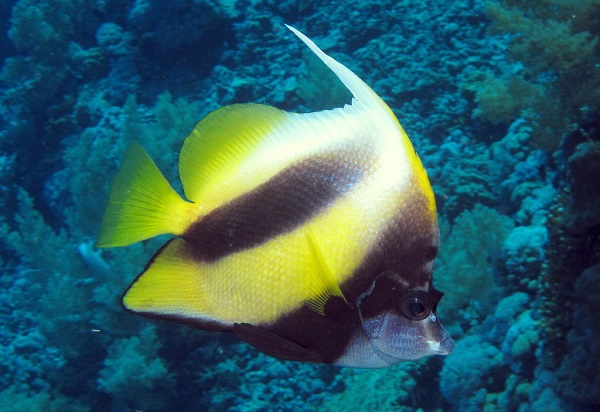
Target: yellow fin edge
(142, 203)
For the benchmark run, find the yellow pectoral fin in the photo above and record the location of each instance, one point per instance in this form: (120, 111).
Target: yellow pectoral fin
(321, 281)
(142, 204)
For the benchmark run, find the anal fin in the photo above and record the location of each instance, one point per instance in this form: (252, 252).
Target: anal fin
(273, 344)
(171, 287)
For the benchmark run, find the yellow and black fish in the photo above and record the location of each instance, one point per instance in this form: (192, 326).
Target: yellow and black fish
(311, 236)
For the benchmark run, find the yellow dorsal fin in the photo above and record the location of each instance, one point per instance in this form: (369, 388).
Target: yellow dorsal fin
(220, 143)
(142, 204)
(326, 285)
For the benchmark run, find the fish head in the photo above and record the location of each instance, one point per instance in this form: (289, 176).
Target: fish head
(401, 323)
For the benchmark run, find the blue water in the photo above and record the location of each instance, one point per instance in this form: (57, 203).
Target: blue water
(501, 101)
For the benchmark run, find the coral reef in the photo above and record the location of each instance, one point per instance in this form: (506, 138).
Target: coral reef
(583, 209)
(556, 73)
(465, 268)
(500, 98)
(134, 363)
(474, 360)
(579, 377)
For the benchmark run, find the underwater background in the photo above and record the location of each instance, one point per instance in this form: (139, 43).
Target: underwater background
(501, 100)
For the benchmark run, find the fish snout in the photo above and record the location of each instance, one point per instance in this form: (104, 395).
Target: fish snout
(447, 345)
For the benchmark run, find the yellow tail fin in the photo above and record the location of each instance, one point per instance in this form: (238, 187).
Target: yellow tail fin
(142, 204)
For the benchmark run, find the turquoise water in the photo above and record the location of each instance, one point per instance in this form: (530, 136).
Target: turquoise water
(500, 99)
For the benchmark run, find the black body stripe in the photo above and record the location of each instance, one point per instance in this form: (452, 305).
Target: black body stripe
(409, 243)
(281, 204)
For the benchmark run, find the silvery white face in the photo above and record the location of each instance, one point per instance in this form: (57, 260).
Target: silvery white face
(397, 338)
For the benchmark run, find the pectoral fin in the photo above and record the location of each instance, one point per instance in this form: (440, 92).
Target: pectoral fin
(325, 285)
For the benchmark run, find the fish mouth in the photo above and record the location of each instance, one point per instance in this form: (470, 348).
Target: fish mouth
(446, 346)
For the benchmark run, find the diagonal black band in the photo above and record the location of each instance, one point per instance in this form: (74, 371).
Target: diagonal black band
(281, 204)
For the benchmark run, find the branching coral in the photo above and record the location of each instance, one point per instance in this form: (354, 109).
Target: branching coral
(501, 99)
(134, 363)
(557, 50)
(36, 241)
(469, 250)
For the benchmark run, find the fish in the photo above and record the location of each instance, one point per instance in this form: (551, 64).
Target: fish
(310, 236)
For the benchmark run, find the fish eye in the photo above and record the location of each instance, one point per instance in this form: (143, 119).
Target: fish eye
(415, 305)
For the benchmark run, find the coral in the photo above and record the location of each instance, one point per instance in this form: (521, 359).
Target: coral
(96, 147)
(543, 396)
(472, 362)
(567, 256)
(523, 177)
(110, 36)
(520, 343)
(29, 362)
(579, 374)
(544, 42)
(260, 383)
(133, 369)
(41, 80)
(42, 29)
(464, 269)
(91, 62)
(24, 363)
(534, 203)
(6, 175)
(13, 401)
(507, 310)
(36, 241)
(558, 76)
(513, 148)
(582, 211)
(523, 253)
(461, 175)
(500, 100)
(194, 20)
(405, 386)
(267, 383)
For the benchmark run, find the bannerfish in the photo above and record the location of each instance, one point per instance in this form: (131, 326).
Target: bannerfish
(309, 236)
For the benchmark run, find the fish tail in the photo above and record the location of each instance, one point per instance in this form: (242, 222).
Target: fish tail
(142, 203)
